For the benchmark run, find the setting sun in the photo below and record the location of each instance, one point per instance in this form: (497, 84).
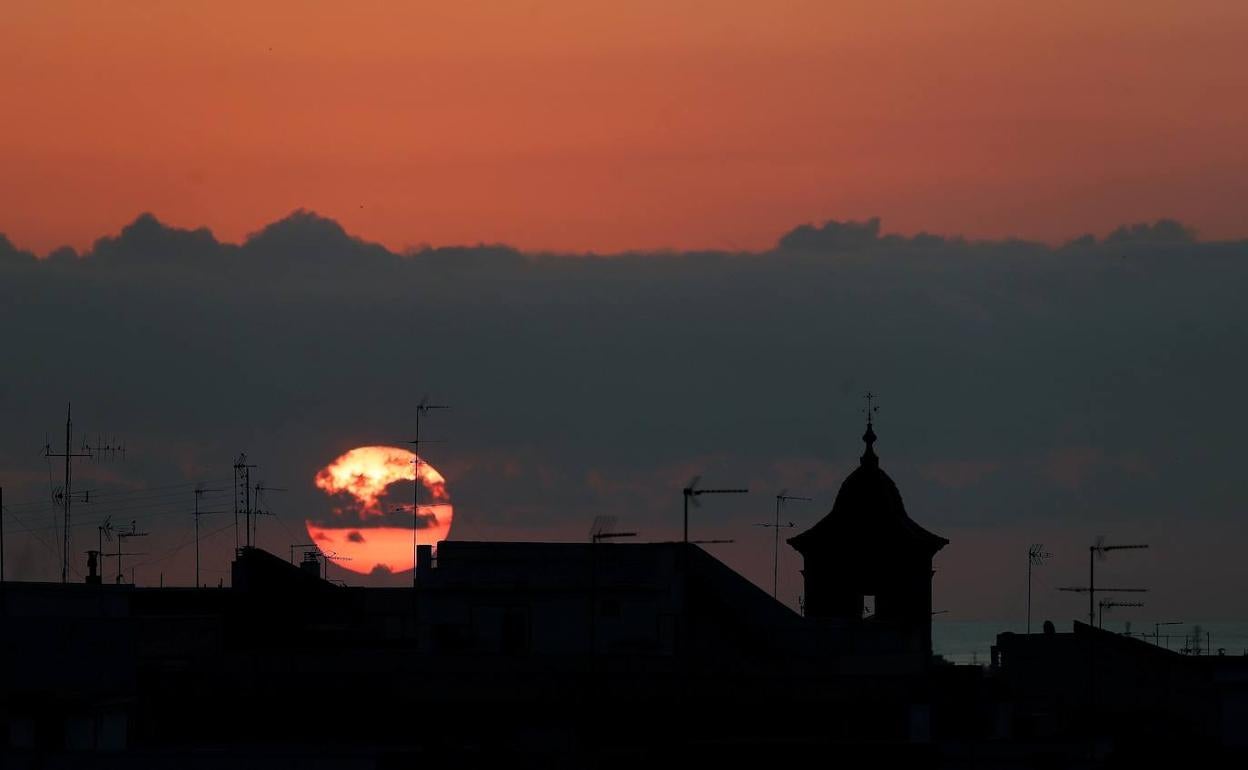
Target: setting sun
(369, 528)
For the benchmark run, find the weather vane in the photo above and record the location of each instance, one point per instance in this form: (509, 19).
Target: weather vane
(871, 408)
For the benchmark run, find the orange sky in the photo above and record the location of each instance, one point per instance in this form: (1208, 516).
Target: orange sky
(579, 124)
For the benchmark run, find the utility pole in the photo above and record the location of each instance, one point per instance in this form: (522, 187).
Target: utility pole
(781, 498)
(422, 409)
(1036, 557)
(691, 492)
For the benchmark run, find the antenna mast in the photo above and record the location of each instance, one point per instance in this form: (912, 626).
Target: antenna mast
(200, 492)
(258, 512)
(242, 495)
(1036, 556)
(781, 498)
(1096, 551)
(121, 537)
(66, 494)
(691, 492)
(422, 409)
(1109, 604)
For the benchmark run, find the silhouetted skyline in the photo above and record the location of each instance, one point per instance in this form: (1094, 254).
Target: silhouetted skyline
(1030, 393)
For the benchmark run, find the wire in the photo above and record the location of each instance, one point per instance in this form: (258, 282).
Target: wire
(132, 494)
(172, 552)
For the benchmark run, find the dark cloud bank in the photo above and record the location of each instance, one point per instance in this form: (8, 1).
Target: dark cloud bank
(1030, 392)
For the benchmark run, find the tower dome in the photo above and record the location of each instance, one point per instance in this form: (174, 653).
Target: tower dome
(867, 562)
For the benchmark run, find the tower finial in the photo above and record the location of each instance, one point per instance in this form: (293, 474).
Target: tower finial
(868, 456)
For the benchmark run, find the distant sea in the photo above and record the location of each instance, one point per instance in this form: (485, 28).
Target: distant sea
(970, 641)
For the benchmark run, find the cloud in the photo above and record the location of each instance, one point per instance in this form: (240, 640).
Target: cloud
(306, 238)
(1161, 231)
(958, 474)
(10, 255)
(1025, 390)
(832, 236)
(147, 241)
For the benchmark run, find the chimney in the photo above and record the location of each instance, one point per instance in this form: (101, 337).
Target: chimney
(93, 568)
(310, 564)
(424, 559)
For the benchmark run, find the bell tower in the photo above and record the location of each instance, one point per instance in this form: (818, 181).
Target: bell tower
(867, 562)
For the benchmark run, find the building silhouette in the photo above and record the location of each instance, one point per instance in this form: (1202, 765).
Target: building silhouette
(867, 563)
(599, 654)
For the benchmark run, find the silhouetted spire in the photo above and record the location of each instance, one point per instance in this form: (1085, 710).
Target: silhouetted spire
(869, 458)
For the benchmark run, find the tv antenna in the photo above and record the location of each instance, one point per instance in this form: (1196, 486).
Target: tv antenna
(1036, 557)
(332, 556)
(1109, 604)
(200, 491)
(1157, 631)
(103, 531)
(423, 408)
(293, 546)
(691, 493)
(602, 530)
(65, 495)
(1097, 552)
(254, 515)
(104, 451)
(781, 499)
(123, 535)
(242, 494)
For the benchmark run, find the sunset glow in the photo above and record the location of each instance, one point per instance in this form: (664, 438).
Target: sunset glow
(363, 537)
(606, 126)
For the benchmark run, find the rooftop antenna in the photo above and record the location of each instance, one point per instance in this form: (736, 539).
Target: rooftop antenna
(255, 515)
(423, 408)
(200, 491)
(104, 532)
(1157, 631)
(103, 451)
(122, 535)
(691, 492)
(242, 493)
(332, 556)
(781, 499)
(1097, 552)
(1036, 557)
(602, 530)
(293, 546)
(1109, 604)
(65, 495)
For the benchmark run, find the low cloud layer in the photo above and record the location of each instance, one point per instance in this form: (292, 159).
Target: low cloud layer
(1030, 392)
